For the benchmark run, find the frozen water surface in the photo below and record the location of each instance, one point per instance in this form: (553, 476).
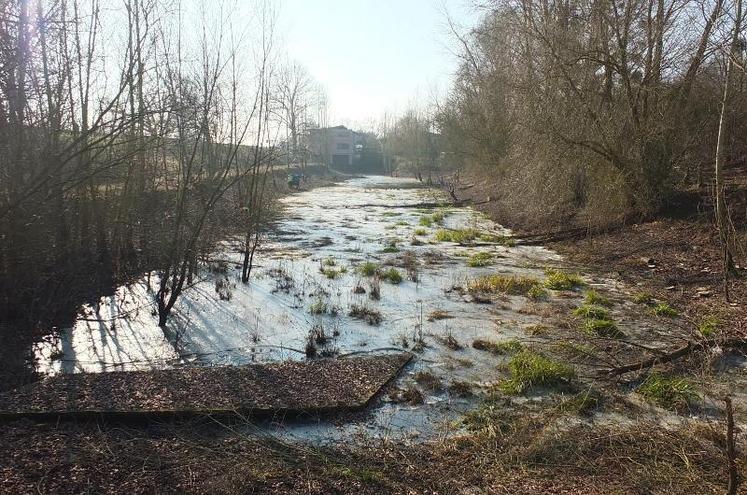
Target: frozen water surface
(270, 318)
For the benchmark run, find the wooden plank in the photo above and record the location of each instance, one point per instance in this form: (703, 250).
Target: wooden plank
(316, 386)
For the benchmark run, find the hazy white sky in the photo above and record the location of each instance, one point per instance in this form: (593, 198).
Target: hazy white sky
(373, 56)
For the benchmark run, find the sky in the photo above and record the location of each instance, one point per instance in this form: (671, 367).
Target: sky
(374, 56)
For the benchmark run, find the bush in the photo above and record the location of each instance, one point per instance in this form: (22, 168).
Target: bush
(530, 369)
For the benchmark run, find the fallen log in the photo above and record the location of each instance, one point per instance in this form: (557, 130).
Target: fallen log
(667, 357)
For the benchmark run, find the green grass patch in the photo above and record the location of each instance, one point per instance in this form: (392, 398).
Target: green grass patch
(368, 269)
(438, 217)
(460, 236)
(333, 273)
(664, 309)
(390, 248)
(497, 239)
(669, 392)
(505, 347)
(709, 326)
(426, 221)
(506, 284)
(593, 298)
(559, 280)
(603, 327)
(531, 369)
(318, 307)
(537, 292)
(420, 232)
(391, 214)
(583, 403)
(392, 275)
(643, 298)
(402, 223)
(592, 312)
(491, 418)
(480, 259)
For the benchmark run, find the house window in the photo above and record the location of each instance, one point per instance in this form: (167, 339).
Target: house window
(343, 146)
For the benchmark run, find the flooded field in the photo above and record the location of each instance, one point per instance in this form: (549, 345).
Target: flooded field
(362, 267)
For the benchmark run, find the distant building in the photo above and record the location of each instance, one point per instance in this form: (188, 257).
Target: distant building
(344, 149)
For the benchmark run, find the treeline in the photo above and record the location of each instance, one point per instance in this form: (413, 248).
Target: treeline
(594, 111)
(133, 137)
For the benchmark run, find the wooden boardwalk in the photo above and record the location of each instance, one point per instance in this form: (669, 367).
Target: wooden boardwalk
(318, 386)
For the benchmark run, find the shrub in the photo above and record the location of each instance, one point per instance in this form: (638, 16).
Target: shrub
(502, 283)
(671, 392)
(664, 309)
(558, 280)
(530, 369)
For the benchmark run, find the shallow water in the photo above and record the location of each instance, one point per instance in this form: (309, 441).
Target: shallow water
(270, 319)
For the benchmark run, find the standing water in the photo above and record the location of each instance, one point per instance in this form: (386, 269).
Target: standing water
(327, 283)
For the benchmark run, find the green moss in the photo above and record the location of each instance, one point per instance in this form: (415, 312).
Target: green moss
(603, 328)
(593, 298)
(368, 269)
(505, 347)
(480, 259)
(669, 392)
(559, 280)
(531, 369)
(392, 276)
(664, 309)
(592, 312)
(502, 283)
(709, 326)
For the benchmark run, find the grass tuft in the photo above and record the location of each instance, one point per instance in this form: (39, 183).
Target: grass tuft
(505, 284)
(669, 392)
(593, 298)
(363, 312)
(480, 259)
(603, 327)
(643, 298)
(559, 280)
(531, 369)
(392, 275)
(368, 269)
(709, 326)
(592, 312)
(664, 309)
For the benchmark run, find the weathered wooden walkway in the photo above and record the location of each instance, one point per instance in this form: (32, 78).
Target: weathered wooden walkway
(321, 386)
